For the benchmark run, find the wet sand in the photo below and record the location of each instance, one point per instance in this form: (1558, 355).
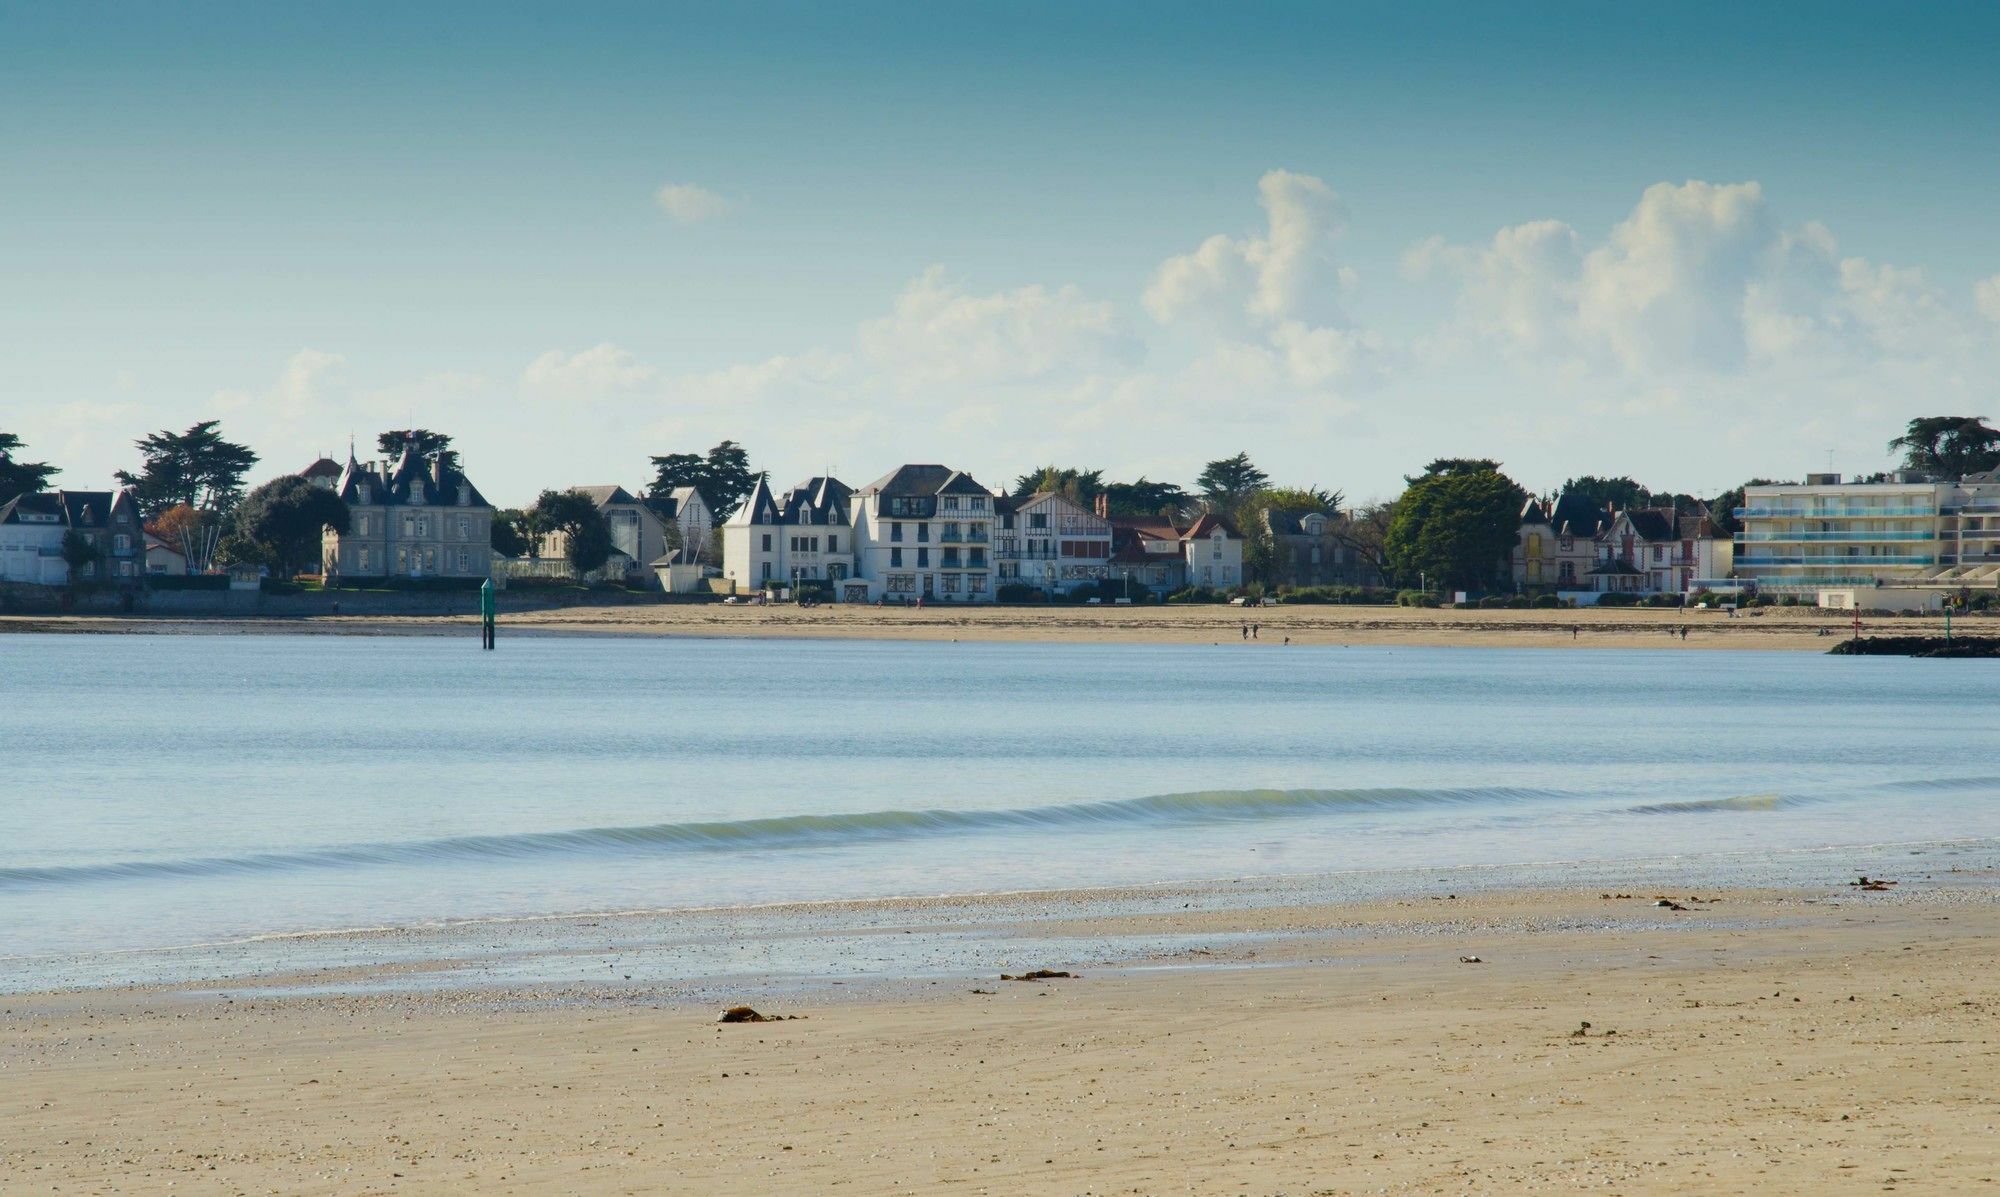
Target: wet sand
(1809, 1040)
(1804, 629)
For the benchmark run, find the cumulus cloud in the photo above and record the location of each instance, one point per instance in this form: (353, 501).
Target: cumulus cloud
(1698, 277)
(1986, 293)
(937, 333)
(690, 203)
(298, 391)
(599, 372)
(1262, 279)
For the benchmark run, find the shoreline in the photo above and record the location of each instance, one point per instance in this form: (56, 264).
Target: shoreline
(1792, 629)
(1795, 1037)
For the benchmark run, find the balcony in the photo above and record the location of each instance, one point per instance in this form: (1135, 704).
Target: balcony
(1850, 562)
(1816, 513)
(1762, 537)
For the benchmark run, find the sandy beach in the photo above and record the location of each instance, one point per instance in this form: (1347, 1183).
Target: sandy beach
(1810, 1040)
(1803, 629)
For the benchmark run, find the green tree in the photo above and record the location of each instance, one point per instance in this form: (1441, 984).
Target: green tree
(583, 526)
(1078, 486)
(1455, 526)
(82, 555)
(1303, 500)
(280, 524)
(1459, 465)
(1367, 535)
(431, 447)
(1145, 498)
(196, 467)
(1227, 483)
(1946, 448)
(723, 477)
(1723, 509)
(1622, 493)
(20, 477)
(510, 533)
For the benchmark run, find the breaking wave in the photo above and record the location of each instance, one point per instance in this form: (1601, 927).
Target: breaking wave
(787, 832)
(1745, 803)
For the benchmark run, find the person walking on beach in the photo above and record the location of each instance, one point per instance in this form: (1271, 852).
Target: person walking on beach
(1246, 631)
(1573, 629)
(1253, 631)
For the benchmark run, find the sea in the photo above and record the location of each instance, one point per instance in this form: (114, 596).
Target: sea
(163, 794)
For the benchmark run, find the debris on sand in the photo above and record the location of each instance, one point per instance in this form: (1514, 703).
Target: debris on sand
(1470, 960)
(1669, 904)
(1873, 885)
(1040, 974)
(746, 1014)
(1580, 1032)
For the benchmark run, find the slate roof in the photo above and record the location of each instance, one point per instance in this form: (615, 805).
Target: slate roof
(1573, 515)
(72, 508)
(815, 501)
(909, 481)
(1653, 523)
(438, 486)
(604, 496)
(37, 503)
(325, 467)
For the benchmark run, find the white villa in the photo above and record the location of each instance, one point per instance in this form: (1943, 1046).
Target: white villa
(1049, 542)
(804, 535)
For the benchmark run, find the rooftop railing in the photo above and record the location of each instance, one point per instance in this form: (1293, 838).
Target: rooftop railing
(1763, 537)
(1759, 562)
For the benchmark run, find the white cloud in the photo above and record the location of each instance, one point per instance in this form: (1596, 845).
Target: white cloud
(597, 373)
(1262, 279)
(1986, 294)
(937, 334)
(1700, 278)
(690, 203)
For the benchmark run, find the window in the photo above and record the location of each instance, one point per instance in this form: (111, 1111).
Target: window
(923, 558)
(464, 528)
(1215, 546)
(364, 561)
(402, 561)
(464, 562)
(895, 558)
(976, 583)
(409, 525)
(767, 544)
(832, 543)
(766, 573)
(121, 543)
(895, 532)
(1567, 544)
(1659, 553)
(431, 560)
(900, 583)
(923, 533)
(1038, 520)
(1567, 572)
(948, 584)
(361, 525)
(1315, 554)
(423, 525)
(951, 502)
(1007, 521)
(1534, 544)
(976, 503)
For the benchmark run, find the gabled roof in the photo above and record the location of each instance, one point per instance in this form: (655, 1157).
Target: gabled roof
(87, 508)
(34, 503)
(604, 496)
(758, 508)
(1208, 523)
(1652, 523)
(1573, 515)
(325, 467)
(1153, 527)
(919, 480)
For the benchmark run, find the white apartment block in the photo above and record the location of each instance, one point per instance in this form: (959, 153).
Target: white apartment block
(1830, 535)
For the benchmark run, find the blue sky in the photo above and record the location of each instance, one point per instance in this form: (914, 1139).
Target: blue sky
(1693, 243)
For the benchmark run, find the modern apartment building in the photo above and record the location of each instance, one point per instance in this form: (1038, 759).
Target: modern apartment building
(1831, 534)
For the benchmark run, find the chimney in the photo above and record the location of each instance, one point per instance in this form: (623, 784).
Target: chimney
(1103, 506)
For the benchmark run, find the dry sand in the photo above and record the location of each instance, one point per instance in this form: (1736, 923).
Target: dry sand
(1775, 628)
(1797, 1043)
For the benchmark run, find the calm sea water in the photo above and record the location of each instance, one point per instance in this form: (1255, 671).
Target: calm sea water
(159, 791)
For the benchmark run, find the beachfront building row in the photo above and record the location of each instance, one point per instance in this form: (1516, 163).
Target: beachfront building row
(931, 533)
(1836, 539)
(32, 527)
(1577, 549)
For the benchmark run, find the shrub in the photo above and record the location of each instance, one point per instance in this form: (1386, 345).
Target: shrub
(1416, 598)
(1545, 602)
(1617, 599)
(1196, 594)
(1019, 592)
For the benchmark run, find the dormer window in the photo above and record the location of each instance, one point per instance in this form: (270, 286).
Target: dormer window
(464, 494)
(362, 494)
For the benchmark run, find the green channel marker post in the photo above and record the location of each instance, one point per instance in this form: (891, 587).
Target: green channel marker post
(486, 614)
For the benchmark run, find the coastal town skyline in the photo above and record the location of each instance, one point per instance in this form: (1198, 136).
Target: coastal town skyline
(1399, 235)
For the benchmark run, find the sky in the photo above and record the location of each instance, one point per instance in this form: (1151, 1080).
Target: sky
(1692, 243)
